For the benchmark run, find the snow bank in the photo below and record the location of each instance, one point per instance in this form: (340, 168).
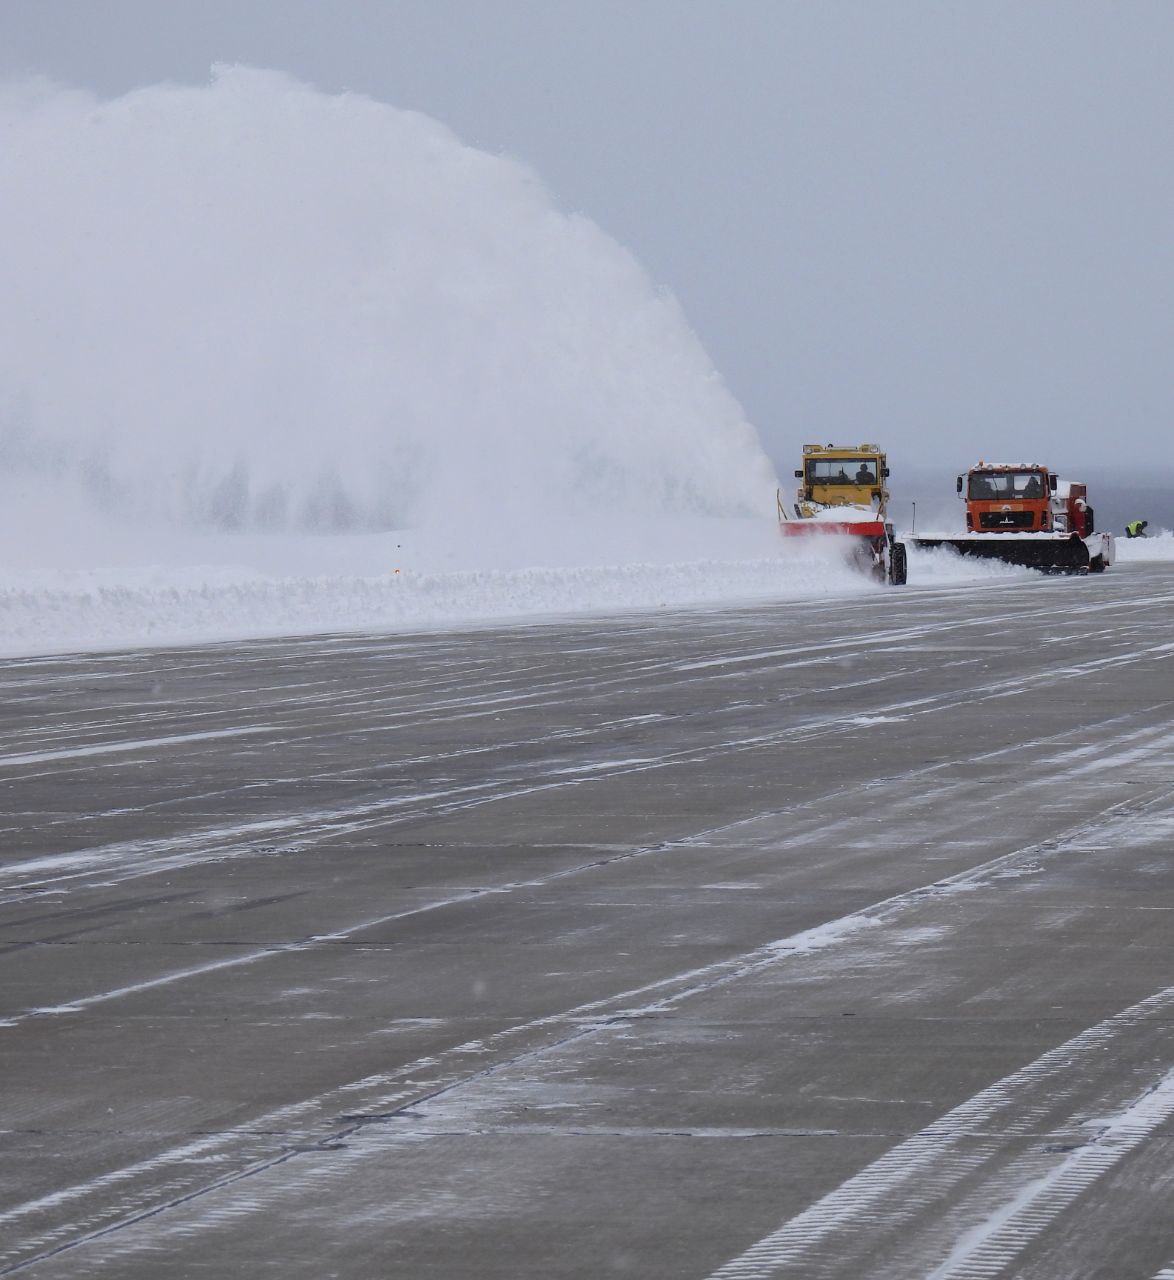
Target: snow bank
(219, 587)
(1158, 546)
(943, 567)
(132, 615)
(186, 588)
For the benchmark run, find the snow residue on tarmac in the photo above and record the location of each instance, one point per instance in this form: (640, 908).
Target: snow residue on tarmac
(944, 567)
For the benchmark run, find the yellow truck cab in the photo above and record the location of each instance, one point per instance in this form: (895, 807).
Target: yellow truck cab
(843, 494)
(843, 476)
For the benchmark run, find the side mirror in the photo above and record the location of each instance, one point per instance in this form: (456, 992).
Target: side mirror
(1052, 482)
(798, 475)
(885, 472)
(959, 484)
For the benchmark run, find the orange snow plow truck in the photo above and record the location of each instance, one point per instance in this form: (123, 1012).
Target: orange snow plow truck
(1025, 514)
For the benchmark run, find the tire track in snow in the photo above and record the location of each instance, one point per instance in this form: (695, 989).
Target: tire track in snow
(1014, 1205)
(991, 1248)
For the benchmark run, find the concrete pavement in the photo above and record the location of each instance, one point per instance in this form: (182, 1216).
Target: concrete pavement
(819, 940)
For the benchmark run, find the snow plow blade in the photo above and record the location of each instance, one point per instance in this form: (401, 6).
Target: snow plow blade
(1045, 552)
(873, 548)
(844, 495)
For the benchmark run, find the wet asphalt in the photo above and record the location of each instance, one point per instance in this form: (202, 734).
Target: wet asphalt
(818, 940)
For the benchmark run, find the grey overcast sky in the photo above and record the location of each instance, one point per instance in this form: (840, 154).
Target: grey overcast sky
(944, 226)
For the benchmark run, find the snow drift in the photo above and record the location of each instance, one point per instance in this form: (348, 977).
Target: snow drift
(1158, 546)
(211, 591)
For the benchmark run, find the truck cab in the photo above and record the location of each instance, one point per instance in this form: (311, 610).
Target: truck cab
(843, 476)
(1008, 498)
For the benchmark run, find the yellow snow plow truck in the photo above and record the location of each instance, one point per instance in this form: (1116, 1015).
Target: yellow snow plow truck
(842, 493)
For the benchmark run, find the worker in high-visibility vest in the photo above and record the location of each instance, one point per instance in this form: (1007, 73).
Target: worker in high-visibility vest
(1136, 528)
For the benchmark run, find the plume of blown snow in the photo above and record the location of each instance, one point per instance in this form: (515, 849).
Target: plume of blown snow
(253, 305)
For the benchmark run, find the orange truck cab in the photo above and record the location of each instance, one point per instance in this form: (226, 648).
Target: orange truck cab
(1005, 499)
(1023, 499)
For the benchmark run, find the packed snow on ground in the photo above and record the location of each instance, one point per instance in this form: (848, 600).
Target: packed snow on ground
(277, 361)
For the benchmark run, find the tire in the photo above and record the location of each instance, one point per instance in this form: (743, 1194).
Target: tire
(898, 565)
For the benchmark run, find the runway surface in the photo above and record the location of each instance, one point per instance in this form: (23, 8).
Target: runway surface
(823, 940)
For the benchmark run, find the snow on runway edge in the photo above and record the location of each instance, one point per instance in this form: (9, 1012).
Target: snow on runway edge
(58, 610)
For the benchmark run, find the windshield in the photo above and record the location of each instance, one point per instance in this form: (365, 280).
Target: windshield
(841, 471)
(1006, 485)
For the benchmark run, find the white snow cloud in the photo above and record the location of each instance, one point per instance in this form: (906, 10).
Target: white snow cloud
(255, 305)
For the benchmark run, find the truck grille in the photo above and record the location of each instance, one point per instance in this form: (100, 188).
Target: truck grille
(1006, 519)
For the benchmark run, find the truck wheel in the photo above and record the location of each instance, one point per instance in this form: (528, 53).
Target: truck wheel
(898, 565)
